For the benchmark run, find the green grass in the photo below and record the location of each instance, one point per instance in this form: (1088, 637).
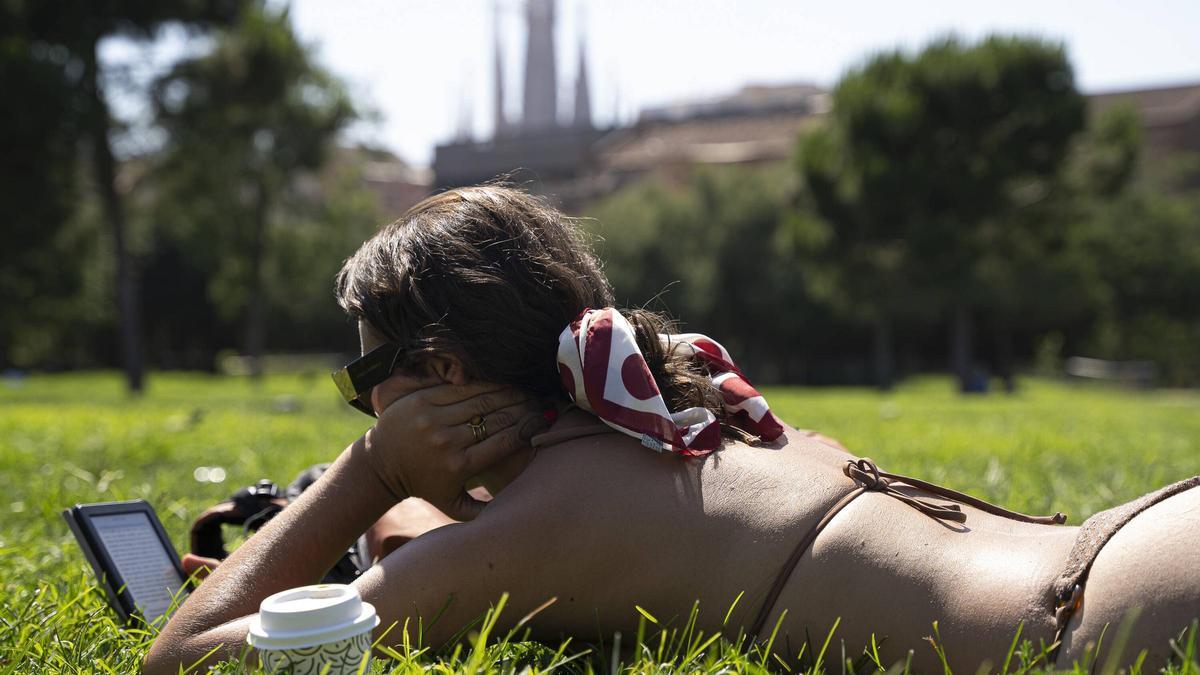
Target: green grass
(78, 438)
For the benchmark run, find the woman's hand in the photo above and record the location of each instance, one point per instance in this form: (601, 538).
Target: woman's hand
(197, 566)
(423, 444)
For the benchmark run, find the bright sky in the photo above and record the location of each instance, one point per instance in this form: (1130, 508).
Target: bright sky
(424, 65)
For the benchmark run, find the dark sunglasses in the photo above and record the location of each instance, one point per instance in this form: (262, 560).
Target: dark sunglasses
(356, 379)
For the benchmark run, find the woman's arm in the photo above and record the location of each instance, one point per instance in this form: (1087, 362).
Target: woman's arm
(295, 549)
(441, 581)
(418, 447)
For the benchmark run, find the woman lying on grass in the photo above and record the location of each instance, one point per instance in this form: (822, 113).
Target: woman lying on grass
(630, 467)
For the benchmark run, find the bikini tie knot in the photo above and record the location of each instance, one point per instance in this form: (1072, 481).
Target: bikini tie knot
(865, 473)
(868, 476)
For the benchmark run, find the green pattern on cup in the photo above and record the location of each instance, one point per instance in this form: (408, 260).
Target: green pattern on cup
(343, 657)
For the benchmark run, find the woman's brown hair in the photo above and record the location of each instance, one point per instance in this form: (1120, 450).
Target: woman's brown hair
(492, 275)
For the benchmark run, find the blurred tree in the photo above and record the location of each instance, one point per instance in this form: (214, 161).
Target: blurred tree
(38, 187)
(318, 229)
(242, 123)
(1036, 272)
(1104, 161)
(714, 247)
(923, 167)
(70, 33)
(861, 261)
(1146, 246)
(654, 249)
(194, 301)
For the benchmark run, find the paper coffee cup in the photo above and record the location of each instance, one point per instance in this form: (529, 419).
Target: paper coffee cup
(324, 628)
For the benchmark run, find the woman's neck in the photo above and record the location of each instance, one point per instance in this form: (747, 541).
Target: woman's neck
(571, 422)
(499, 475)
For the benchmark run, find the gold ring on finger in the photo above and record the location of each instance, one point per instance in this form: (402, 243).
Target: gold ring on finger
(478, 426)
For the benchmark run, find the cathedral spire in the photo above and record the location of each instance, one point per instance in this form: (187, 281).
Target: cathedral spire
(463, 132)
(501, 123)
(540, 110)
(583, 97)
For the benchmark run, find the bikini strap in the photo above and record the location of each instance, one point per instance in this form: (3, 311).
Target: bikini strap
(865, 473)
(786, 571)
(868, 478)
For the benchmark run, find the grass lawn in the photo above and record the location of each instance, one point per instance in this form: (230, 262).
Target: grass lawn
(78, 438)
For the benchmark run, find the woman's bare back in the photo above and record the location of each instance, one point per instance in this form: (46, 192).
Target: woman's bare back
(662, 533)
(666, 533)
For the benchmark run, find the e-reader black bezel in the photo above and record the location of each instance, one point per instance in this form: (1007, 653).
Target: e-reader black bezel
(79, 517)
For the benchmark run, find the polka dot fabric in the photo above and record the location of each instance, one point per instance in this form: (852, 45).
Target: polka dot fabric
(605, 373)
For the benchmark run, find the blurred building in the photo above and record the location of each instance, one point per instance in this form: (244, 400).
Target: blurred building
(567, 157)
(542, 146)
(760, 124)
(757, 125)
(397, 184)
(1170, 117)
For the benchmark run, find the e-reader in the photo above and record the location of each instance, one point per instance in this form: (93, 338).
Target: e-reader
(132, 557)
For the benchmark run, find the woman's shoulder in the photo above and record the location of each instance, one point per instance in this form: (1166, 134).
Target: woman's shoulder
(593, 472)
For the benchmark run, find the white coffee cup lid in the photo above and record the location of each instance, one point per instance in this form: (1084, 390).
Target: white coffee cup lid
(310, 615)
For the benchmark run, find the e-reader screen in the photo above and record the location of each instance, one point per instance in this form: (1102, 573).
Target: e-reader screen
(148, 572)
(132, 556)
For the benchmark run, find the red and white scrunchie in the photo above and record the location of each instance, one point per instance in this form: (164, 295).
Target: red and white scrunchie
(606, 374)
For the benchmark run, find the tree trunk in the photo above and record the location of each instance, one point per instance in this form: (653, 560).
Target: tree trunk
(256, 308)
(1004, 357)
(883, 360)
(960, 346)
(105, 172)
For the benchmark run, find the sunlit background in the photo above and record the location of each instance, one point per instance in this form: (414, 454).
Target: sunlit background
(848, 193)
(877, 207)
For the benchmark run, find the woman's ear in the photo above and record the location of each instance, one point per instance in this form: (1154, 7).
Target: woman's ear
(448, 367)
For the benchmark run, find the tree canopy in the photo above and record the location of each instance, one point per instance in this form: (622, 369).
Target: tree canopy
(925, 168)
(243, 122)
